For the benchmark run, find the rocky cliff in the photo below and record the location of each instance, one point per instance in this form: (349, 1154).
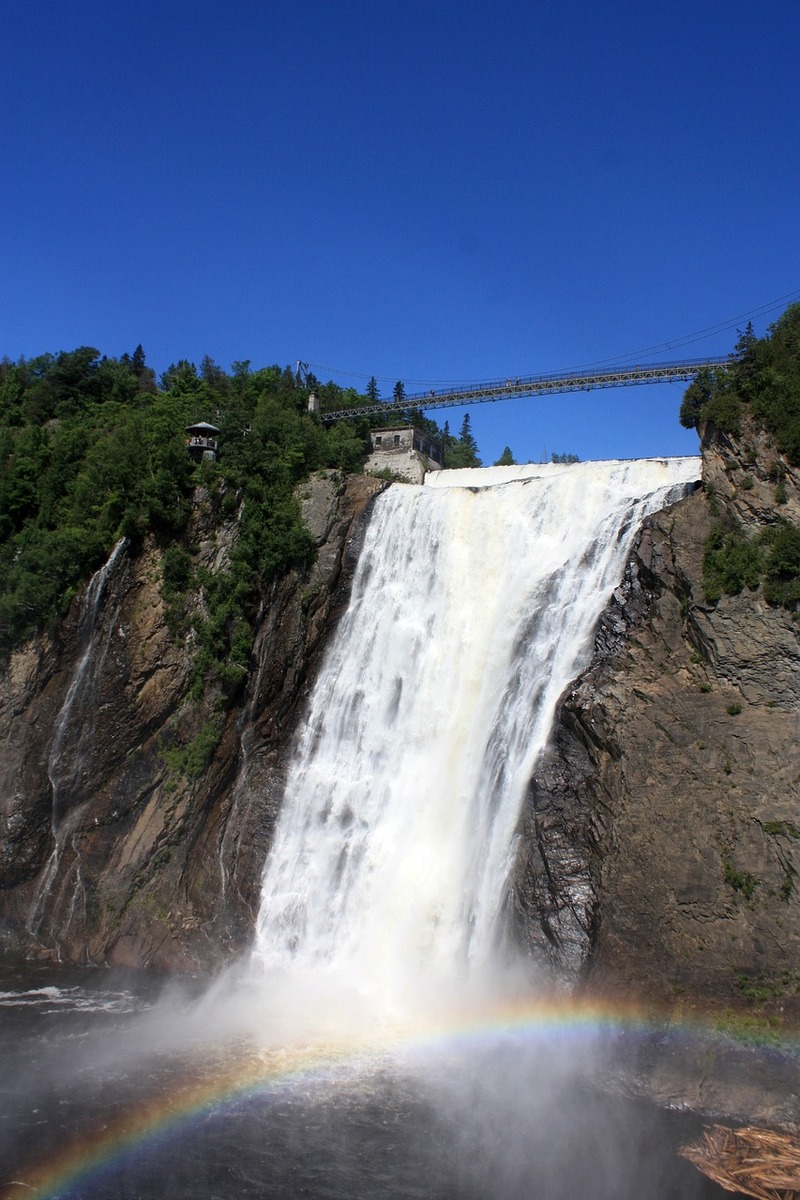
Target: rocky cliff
(136, 819)
(660, 845)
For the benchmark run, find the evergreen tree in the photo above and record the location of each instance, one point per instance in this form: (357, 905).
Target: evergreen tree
(399, 393)
(467, 442)
(145, 375)
(373, 394)
(214, 375)
(506, 459)
(763, 379)
(462, 452)
(746, 344)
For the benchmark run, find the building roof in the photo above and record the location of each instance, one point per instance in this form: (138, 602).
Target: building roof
(202, 425)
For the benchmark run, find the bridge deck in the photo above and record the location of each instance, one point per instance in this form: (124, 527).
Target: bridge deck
(535, 385)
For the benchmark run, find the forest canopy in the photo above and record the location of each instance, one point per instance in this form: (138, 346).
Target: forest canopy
(94, 449)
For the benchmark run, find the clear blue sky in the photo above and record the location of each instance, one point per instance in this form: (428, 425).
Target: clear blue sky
(433, 191)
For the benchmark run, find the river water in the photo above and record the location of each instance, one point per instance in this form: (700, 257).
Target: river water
(380, 1041)
(111, 1089)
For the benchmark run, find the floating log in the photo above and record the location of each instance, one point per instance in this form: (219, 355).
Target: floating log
(755, 1162)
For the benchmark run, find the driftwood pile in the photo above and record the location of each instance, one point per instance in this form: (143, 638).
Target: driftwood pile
(755, 1162)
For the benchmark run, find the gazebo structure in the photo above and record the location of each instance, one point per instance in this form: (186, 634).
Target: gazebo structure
(201, 441)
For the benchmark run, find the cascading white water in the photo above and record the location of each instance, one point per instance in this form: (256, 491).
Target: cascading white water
(61, 767)
(64, 768)
(472, 609)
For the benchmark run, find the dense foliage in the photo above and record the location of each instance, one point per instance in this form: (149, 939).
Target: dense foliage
(93, 450)
(461, 451)
(764, 379)
(734, 561)
(90, 451)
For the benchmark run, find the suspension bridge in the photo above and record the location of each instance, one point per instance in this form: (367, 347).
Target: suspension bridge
(535, 385)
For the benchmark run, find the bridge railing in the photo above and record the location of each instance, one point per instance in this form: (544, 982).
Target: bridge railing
(536, 385)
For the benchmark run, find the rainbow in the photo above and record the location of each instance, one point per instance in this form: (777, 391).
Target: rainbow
(249, 1073)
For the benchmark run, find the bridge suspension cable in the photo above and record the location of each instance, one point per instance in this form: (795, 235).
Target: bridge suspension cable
(535, 385)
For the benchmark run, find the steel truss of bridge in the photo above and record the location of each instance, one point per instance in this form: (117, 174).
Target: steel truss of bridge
(535, 385)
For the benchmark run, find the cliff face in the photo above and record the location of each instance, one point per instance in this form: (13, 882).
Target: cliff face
(661, 841)
(110, 850)
(660, 845)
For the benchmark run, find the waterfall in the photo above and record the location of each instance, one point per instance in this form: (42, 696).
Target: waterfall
(65, 766)
(229, 840)
(73, 736)
(472, 609)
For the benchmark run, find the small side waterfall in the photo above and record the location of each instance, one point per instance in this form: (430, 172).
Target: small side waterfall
(229, 840)
(64, 766)
(472, 610)
(70, 748)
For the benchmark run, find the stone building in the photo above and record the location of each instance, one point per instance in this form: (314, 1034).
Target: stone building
(406, 451)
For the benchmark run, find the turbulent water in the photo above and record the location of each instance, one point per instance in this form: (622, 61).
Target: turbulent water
(96, 1068)
(343, 1062)
(472, 609)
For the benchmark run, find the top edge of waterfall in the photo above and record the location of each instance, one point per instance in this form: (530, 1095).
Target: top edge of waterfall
(682, 468)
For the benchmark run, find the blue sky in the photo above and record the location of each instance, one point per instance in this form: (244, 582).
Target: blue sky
(433, 191)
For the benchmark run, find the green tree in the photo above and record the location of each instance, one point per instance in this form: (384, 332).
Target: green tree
(731, 562)
(91, 449)
(506, 459)
(763, 379)
(145, 376)
(463, 452)
(696, 398)
(214, 375)
(373, 393)
(399, 392)
(180, 377)
(746, 348)
(781, 544)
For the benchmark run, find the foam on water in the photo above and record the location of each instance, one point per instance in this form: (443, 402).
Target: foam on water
(71, 999)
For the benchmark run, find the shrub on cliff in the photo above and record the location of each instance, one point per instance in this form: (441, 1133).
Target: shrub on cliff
(764, 380)
(734, 561)
(782, 565)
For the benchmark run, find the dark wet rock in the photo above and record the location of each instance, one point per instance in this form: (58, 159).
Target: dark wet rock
(107, 854)
(674, 778)
(659, 847)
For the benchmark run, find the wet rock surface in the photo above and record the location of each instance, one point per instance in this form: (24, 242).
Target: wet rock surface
(659, 849)
(107, 853)
(674, 776)
(660, 845)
